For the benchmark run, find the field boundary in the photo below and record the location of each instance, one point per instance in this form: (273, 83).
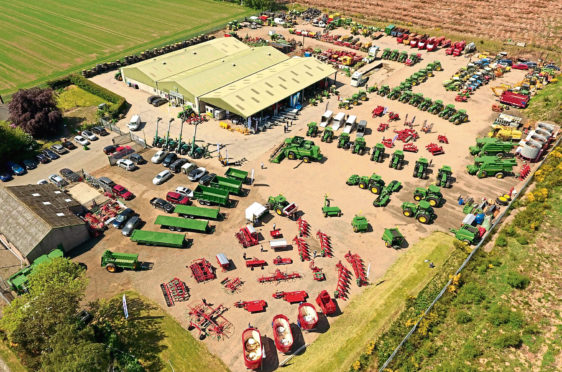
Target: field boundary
(483, 241)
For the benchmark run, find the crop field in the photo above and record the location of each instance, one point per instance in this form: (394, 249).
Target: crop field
(46, 39)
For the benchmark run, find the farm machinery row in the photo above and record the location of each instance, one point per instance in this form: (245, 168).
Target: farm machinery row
(178, 145)
(402, 57)
(419, 41)
(493, 158)
(475, 74)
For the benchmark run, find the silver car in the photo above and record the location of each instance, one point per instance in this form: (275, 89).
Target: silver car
(131, 225)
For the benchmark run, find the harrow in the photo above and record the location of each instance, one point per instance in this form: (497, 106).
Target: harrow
(410, 147)
(247, 236)
(202, 270)
(175, 291)
(435, 149)
(232, 285)
(279, 276)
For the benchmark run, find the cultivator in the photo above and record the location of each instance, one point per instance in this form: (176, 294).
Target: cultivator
(325, 244)
(232, 285)
(378, 111)
(247, 236)
(358, 267)
(279, 276)
(202, 270)
(251, 306)
(175, 291)
(410, 147)
(442, 139)
(382, 127)
(388, 142)
(344, 278)
(304, 227)
(317, 273)
(302, 247)
(435, 149)
(291, 297)
(209, 321)
(393, 116)
(407, 135)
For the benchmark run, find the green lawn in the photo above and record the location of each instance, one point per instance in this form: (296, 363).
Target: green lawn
(73, 96)
(51, 38)
(10, 359)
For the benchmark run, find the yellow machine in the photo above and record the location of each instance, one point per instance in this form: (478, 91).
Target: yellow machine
(499, 89)
(346, 60)
(505, 133)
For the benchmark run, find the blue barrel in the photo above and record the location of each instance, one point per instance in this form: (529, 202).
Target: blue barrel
(307, 54)
(479, 218)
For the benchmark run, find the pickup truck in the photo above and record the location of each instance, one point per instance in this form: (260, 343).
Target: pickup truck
(162, 204)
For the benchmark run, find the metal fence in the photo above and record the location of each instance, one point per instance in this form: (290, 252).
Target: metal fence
(465, 262)
(124, 137)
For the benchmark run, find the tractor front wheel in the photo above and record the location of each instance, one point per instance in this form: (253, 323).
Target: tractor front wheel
(355, 229)
(306, 159)
(362, 185)
(292, 156)
(417, 197)
(375, 189)
(111, 268)
(499, 175)
(279, 211)
(407, 212)
(388, 245)
(482, 174)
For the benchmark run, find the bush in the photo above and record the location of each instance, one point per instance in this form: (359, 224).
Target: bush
(59, 83)
(508, 340)
(471, 350)
(501, 241)
(510, 231)
(522, 240)
(517, 280)
(471, 293)
(516, 320)
(118, 103)
(463, 317)
(499, 314)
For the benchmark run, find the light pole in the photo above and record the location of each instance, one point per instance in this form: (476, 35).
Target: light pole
(168, 133)
(155, 142)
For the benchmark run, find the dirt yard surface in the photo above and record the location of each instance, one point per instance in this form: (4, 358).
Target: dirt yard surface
(536, 22)
(304, 184)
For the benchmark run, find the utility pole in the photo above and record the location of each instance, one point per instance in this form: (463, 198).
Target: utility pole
(155, 142)
(168, 133)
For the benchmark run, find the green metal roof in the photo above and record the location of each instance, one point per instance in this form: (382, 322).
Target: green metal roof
(262, 89)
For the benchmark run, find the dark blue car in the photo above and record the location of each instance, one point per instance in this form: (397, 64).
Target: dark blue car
(122, 217)
(16, 168)
(5, 176)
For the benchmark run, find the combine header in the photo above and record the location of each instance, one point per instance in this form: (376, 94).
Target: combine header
(358, 267)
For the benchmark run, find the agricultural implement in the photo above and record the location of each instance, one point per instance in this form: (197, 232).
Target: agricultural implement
(358, 266)
(175, 291)
(421, 211)
(327, 135)
(296, 148)
(359, 146)
(114, 261)
(416, 99)
(344, 141)
(282, 334)
(467, 234)
(434, 149)
(325, 244)
(202, 270)
(328, 210)
(344, 278)
(447, 112)
(432, 195)
(395, 93)
(312, 129)
(247, 236)
(406, 96)
(384, 197)
(436, 107)
(252, 348)
(209, 321)
(302, 248)
(459, 117)
(410, 147)
(444, 176)
(251, 306)
(397, 160)
(325, 302)
(426, 104)
(291, 297)
(426, 128)
(373, 183)
(237, 174)
(279, 276)
(383, 127)
(359, 223)
(442, 139)
(393, 238)
(384, 90)
(281, 206)
(420, 168)
(407, 135)
(304, 227)
(499, 168)
(378, 153)
(254, 262)
(491, 146)
(282, 260)
(232, 285)
(308, 317)
(378, 111)
(317, 272)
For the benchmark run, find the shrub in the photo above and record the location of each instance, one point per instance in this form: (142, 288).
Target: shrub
(508, 340)
(517, 280)
(471, 293)
(35, 111)
(118, 103)
(510, 231)
(501, 241)
(471, 350)
(499, 314)
(463, 317)
(516, 319)
(522, 240)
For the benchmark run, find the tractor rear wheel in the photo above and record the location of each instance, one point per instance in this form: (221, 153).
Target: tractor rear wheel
(423, 218)
(417, 197)
(375, 189)
(355, 229)
(407, 212)
(499, 175)
(482, 174)
(306, 159)
(362, 185)
(339, 145)
(291, 155)
(361, 151)
(388, 245)
(111, 268)
(466, 241)
(279, 211)
(432, 201)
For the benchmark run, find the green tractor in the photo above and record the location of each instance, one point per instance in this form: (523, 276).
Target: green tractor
(353, 180)
(386, 53)
(362, 95)
(403, 57)
(432, 195)
(421, 211)
(359, 146)
(395, 93)
(373, 183)
(459, 117)
(281, 206)
(343, 141)
(420, 168)
(397, 160)
(359, 223)
(378, 153)
(384, 197)
(444, 176)
(327, 135)
(414, 59)
(416, 99)
(447, 112)
(384, 90)
(467, 234)
(436, 66)
(394, 55)
(406, 96)
(345, 104)
(425, 104)
(312, 129)
(436, 107)
(392, 238)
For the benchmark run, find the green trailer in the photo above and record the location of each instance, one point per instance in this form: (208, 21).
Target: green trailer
(182, 224)
(113, 261)
(197, 212)
(157, 238)
(237, 174)
(209, 195)
(224, 183)
(359, 223)
(393, 238)
(18, 281)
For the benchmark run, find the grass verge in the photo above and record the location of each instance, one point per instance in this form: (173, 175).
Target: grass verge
(547, 104)
(367, 314)
(73, 96)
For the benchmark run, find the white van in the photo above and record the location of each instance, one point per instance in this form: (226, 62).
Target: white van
(350, 124)
(188, 167)
(326, 118)
(135, 123)
(339, 119)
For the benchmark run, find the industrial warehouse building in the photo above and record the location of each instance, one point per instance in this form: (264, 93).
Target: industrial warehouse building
(227, 76)
(39, 218)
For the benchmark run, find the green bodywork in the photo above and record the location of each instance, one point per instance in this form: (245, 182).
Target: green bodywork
(498, 168)
(422, 211)
(432, 194)
(447, 112)
(161, 239)
(490, 146)
(378, 153)
(344, 141)
(115, 260)
(393, 238)
(436, 107)
(330, 211)
(359, 223)
(327, 135)
(420, 168)
(18, 281)
(444, 176)
(312, 129)
(467, 233)
(359, 146)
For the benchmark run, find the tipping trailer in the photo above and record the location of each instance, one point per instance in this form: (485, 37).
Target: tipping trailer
(237, 174)
(157, 238)
(182, 224)
(210, 195)
(197, 212)
(224, 183)
(113, 261)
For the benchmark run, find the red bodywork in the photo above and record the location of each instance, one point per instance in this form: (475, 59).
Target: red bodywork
(520, 66)
(282, 333)
(514, 99)
(378, 111)
(251, 306)
(176, 198)
(414, 42)
(308, 317)
(123, 192)
(291, 297)
(254, 262)
(326, 303)
(253, 353)
(431, 44)
(282, 261)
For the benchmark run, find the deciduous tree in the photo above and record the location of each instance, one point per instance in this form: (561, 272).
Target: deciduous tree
(35, 111)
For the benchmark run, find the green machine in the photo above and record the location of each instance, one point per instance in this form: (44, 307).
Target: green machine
(330, 211)
(393, 238)
(444, 176)
(281, 205)
(344, 141)
(378, 153)
(312, 129)
(359, 146)
(432, 194)
(327, 135)
(397, 160)
(359, 223)
(467, 234)
(421, 211)
(420, 168)
(18, 281)
(113, 261)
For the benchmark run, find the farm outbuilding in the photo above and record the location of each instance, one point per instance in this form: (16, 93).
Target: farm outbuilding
(39, 218)
(227, 75)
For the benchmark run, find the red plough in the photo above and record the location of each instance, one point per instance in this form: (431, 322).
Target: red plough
(254, 262)
(232, 285)
(251, 306)
(302, 247)
(291, 297)
(202, 270)
(407, 135)
(279, 277)
(304, 227)
(282, 261)
(442, 139)
(344, 276)
(435, 149)
(209, 321)
(317, 273)
(410, 147)
(325, 244)
(382, 127)
(358, 267)
(175, 291)
(247, 236)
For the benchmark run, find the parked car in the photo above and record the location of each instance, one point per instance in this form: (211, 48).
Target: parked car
(137, 159)
(68, 144)
(81, 140)
(106, 183)
(169, 159)
(520, 66)
(5, 176)
(197, 173)
(108, 150)
(126, 164)
(134, 123)
(159, 102)
(176, 165)
(152, 99)
(122, 218)
(89, 135)
(42, 182)
(100, 131)
(159, 156)
(177, 198)
(59, 149)
(29, 164)
(162, 204)
(131, 225)
(17, 169)
(552, 67)
(42, 158)
(57, 180)
(50, 154)
(69, 175)
(162, 177)
(206, 179)
(123, 192)
(185, 191)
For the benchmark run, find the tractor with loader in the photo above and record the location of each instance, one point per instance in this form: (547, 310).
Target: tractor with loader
(459, 117)
(384, 197)
(436, 107)
(447, 112)
(373, 183)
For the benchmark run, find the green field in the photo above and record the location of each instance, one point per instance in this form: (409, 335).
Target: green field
(51, 38)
